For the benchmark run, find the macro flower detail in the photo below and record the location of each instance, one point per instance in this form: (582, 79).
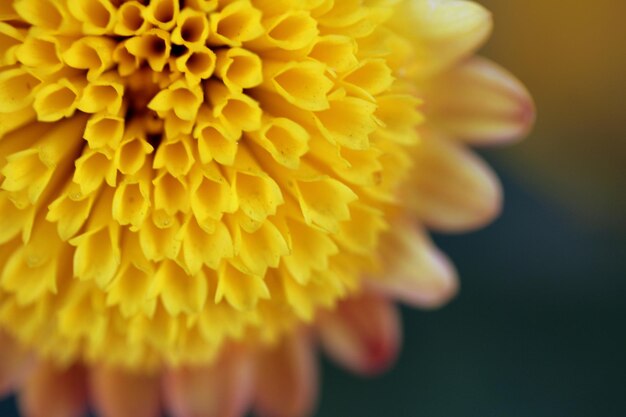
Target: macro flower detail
(194, 194)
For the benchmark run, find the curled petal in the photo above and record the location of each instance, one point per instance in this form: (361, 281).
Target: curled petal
(415, 271)
(54, 392)
(286, 383)
(221, 390)
(480, 103)
(120, 394)
(452, 190)
(363, 334)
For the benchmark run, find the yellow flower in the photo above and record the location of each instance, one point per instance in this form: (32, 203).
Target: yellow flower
(197, 191)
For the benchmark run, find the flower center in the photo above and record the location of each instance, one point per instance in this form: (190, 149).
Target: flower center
(179, 174)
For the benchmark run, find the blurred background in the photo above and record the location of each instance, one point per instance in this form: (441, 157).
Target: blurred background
(537, 329)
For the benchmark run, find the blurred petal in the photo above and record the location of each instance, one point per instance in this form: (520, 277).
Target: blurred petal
(52, 392)
(120, 394)
(415, 272)
(221, 390)
(363, 334)
(287, 379)
(442, 31)
(452, 189)
(480, 103)
(14, 364)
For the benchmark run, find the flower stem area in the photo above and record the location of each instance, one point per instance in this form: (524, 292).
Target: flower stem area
(528, 336)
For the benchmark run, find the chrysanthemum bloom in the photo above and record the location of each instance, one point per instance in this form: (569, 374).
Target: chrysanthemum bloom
(195, 194)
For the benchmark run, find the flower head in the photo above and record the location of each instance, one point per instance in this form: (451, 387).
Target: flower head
(200, 186)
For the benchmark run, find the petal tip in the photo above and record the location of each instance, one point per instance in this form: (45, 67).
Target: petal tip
(447, 286)
(381, 355)
(480, 103)
(364, 335)
(520, 109)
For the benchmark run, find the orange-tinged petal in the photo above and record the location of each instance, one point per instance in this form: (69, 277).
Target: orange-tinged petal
(415, 271)
(54, 392)
(221, 390)
(363, 334)
(121, 394)
(286, 384)
(452, 190)
(14, 364)
(480, 103)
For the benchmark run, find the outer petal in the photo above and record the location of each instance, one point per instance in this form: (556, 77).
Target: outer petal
(451, 188)
(222, 390)
(363, 334)
(287, 378)
(442, 32)
(14, 364)
(52, 392)
(415, 271)
(480, 103)
(119, 394)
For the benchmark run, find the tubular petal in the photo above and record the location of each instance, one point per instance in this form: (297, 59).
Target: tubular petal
(95, 15)
(10, 38)
(192, 28)
(57, 101)
(290, 31)
(41, 13)
(236, 23)
(286, 384)
(241, 297)
(163, 13)
(16, 86)
(42, 51)
(363, 334)
(239, 68)
(91, 53)
(304, 85)
(131, 19)
(153, 46)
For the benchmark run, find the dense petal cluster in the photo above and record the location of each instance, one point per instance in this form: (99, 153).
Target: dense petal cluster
(175, 176)
(212, 186)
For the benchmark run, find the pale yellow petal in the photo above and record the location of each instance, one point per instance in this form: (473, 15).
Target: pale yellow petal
(451, 189)
(480, 103)
(441, 32)
(414, 271)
